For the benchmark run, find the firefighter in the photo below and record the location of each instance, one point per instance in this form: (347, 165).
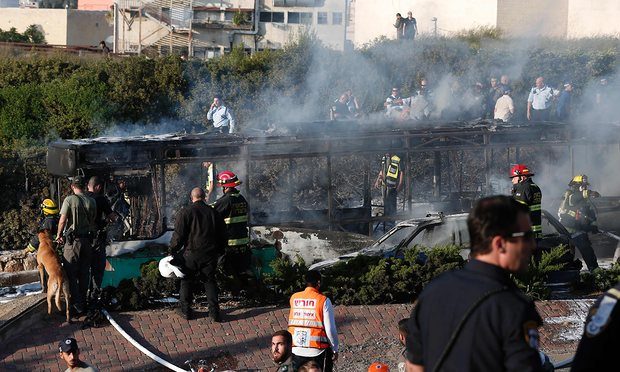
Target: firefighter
(525, 191)
(49, 211)
(390, 179)
(578, 215)
(233, 207)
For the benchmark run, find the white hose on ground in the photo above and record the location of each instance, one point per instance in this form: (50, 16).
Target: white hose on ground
(140, 347)
(564, 364)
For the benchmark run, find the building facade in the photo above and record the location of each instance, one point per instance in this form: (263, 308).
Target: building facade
(60, 26)
(204, 29)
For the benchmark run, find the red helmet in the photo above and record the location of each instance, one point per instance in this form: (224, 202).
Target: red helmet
(228, 179)
(520, 170)
(378, 367)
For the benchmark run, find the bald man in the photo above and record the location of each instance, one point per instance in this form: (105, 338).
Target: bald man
(199, 239)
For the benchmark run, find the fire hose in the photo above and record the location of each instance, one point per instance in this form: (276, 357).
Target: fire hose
(140, 347)
(610, 234)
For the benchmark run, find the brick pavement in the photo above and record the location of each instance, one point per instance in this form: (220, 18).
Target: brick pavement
(242, 342)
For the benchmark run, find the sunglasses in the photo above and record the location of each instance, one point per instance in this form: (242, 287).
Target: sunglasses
(528, 235)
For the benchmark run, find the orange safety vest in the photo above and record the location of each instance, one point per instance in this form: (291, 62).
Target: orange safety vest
(305, 320)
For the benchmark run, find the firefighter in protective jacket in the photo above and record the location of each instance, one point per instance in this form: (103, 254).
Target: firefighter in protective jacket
(390, 179)
(525, 191)
(578, 215)
(233, 207)
(50, 213)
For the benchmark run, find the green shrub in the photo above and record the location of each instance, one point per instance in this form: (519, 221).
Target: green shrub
(603, 279)
(532, 282)
(32, 35)
(288, 276)
(374, 280)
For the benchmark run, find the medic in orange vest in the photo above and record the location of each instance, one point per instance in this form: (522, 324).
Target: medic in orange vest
(311, 322)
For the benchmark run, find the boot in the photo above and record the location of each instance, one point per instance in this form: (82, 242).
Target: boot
(215, 315)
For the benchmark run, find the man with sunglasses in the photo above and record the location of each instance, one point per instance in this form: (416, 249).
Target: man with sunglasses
(476, 319)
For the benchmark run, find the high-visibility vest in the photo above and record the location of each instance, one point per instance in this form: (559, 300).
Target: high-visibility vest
(392, 172)
(305, 319)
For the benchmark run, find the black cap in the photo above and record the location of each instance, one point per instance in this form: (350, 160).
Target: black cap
(67, 345)
(77, 181)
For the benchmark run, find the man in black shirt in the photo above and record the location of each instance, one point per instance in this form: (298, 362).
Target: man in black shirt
(476, 319)
(198, 241)
(100, 240)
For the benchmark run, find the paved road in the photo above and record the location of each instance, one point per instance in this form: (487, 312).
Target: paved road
(367, 333)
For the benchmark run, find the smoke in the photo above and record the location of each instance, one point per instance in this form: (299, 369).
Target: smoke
(299, 92)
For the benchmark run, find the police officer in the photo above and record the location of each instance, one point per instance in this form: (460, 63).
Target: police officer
(476, 319)
(233, 207)
(601, 336)
(49, 210)
(578, 215)
(525, 191)
(77, 215)
(100, 239)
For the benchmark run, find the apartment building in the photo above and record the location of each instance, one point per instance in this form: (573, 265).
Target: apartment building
(205, 29)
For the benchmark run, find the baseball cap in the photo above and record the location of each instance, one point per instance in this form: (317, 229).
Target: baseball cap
(77, 181)
(67, 345)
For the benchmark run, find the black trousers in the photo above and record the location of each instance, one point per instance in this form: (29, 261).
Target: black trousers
(540, 115)
(97, 265)
(324, 360)
(389, 201)
(582, 242)
(76, 259)
(203, 270)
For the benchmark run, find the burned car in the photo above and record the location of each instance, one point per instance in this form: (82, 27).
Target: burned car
(438, 230)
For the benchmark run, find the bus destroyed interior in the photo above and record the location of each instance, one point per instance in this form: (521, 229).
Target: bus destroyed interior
(315, 175)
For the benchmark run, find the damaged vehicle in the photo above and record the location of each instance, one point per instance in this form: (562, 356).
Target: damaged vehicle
(438, 229)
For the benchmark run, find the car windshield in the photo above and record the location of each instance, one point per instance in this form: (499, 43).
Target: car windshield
(392, 238)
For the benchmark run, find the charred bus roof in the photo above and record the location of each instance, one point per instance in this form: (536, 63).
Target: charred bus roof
(66, 157)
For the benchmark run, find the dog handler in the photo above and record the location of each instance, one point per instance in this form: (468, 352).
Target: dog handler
(75, 228)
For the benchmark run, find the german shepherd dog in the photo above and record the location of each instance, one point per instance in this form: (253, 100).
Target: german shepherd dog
(57, 282)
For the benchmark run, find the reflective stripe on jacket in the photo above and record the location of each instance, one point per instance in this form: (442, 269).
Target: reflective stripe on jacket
(233, 207)
(392, 172)
(305, 320)
(528, 193)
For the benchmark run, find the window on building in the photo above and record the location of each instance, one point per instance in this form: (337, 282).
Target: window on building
(337, 18)
(293, 17)
(265, 17)
(321, 18)
(306, 18)
(200, 53)
(228, 16)
(213, 52)
(277, 17)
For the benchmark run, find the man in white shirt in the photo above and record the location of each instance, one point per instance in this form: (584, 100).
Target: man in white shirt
(539, 101)
(223, 120)
(312, 324)
(504, 107)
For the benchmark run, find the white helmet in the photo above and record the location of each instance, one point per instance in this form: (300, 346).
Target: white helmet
(168, 270)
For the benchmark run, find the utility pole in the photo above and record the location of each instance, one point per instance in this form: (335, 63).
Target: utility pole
(434, 20)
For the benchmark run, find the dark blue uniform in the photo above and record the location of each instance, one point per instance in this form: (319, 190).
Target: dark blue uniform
(601, 337)
(501, 334)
